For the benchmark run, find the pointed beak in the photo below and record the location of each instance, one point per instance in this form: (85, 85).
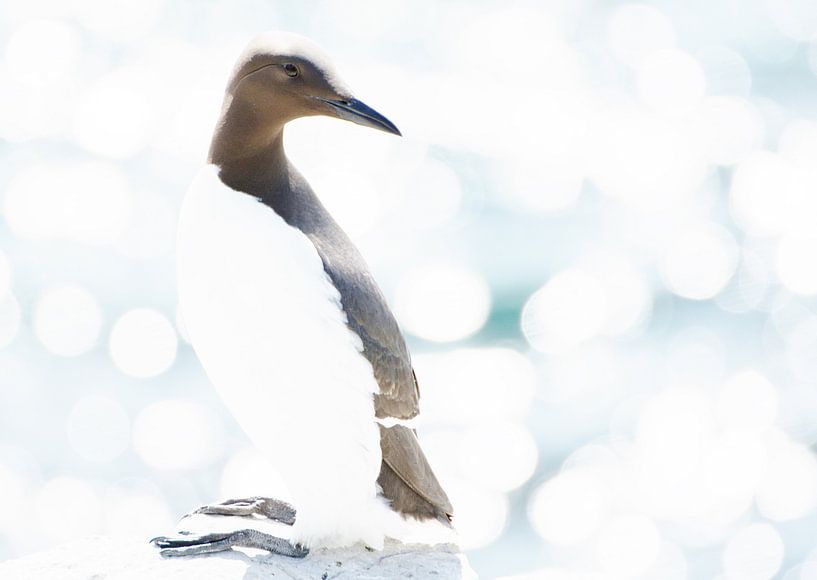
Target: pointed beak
(362, 114)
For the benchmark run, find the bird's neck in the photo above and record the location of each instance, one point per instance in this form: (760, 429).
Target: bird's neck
(248, 149)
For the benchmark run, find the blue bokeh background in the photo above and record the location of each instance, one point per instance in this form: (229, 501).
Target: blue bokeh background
(598, 234)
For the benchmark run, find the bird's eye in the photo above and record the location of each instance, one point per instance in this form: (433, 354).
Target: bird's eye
(291, 70)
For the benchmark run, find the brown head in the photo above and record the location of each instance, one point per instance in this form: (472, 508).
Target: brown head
(279, 77)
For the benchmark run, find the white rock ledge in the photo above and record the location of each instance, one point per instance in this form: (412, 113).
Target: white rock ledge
(103, 558)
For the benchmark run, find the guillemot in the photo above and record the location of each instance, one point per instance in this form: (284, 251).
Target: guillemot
(291, 327)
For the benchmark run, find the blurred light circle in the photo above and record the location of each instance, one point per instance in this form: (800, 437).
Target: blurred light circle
(177, 434)
(543, 186)
(87, 202)
(151, 231)
(566, 311)
(805, 571)
(434, 194)
(67, 320)
(788, 489)
(646, 161)
(118, 20)
(798, 146)
(498, 456)
(98, 428)
(755, 552)
(727, 72)
(748, 402)
(181, 327)
(42, 53)
(699, 262)
(627, 546)
(248, 473)
(629, 296)
(767, 195)
(801, 342)
(14, 489)
(350, 196)
(732, 127)
(796, 262)
(143, 343)
(797, 19)
(673, 431)
(481, 515)
(136, 513)
(442, 303)
(10, 317)
(473, 373)
(67, 508)
(568, 509)
(732, 468)
(5, 275)
(442, 448)
(671, 81)
(112, 121)
(637, 30)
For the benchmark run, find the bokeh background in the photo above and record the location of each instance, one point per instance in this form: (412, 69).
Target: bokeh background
(598, 234)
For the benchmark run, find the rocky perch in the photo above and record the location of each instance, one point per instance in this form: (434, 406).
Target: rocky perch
(103, 558)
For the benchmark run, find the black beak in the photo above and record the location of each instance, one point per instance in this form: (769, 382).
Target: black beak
(362, 114)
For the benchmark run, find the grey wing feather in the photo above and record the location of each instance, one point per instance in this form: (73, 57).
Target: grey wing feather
(415, 485)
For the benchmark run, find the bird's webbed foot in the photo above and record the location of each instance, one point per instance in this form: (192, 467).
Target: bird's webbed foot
(274, 509)
(190, 545)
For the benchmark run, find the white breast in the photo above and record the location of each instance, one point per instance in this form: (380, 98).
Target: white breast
(268, 327)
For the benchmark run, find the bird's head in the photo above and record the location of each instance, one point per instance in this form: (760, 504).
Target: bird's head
(284, 76)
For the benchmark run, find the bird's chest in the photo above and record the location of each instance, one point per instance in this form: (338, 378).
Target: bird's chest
(262, 315)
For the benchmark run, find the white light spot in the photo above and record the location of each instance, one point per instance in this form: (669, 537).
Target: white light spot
(788, 490)
(136, 513)
(5, 275)
(499, 456)
(568, 508)
(797, 19)
(42, 53)
(646, 161)
(732, 128)
(67, 320)
(747, 401)
(118, 20)
(727, 72)
(481, 515)
(350, 196)
(542, 186)
(568, 310)
(446, 379)
(753, 553)
(112, 121)
(98, 428)
(433, 194)
(442, 303)
(628, 546)
(674, 429)
(177, 434)
(629, 296)
(248, 473)
(143, 343)
(638, 30)
(796, 262)
(87, 202)
(671, 81)
(768, 196)
(151, 231)
(699, 262)
(67, 508)
(9, 319)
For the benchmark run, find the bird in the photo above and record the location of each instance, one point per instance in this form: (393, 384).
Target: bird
(291, 327)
